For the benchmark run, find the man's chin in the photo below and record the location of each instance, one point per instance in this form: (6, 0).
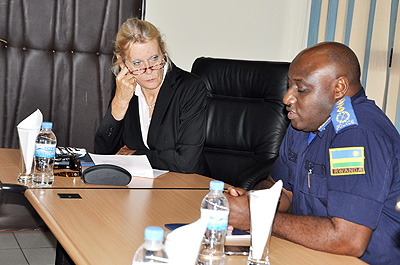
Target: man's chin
(298, 127)
(295, 125)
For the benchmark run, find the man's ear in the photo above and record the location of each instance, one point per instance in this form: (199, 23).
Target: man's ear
(341, 87)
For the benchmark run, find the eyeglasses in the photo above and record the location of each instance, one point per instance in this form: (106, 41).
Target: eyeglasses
(73, 169)
(143, 70)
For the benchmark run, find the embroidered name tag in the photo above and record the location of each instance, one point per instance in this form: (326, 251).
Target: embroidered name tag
(292, 156)
(347, 161)
(343, 114)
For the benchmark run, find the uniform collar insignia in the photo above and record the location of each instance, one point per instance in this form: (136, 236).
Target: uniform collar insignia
(343, 114)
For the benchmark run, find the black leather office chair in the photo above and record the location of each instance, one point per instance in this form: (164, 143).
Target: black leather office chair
(16, 213)
(246, 118)
(55, 55)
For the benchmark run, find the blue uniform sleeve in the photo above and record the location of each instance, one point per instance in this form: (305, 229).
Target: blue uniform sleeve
(356, 197)
(280, 170)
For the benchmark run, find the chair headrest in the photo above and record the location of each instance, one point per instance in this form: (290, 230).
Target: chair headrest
(243, 78)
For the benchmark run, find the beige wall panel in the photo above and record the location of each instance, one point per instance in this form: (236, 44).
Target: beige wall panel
(254, 29)
(341, 21)
(359, 28)
(376, 79)
(323, 20)
(394, 79)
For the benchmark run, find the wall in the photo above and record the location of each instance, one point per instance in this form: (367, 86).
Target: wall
(278, 30)
(370, 28)
(253, 29)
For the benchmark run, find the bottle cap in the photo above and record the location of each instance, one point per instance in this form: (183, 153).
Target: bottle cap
(154, 233)
(216, 185)
(47, 125)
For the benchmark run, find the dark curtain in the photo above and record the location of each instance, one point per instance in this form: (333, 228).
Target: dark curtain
(56, 56)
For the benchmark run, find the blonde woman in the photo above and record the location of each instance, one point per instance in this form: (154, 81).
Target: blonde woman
(156, 109)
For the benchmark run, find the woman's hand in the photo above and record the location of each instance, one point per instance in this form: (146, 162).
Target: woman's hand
(239, 215)
(125, 151)
(126, 84)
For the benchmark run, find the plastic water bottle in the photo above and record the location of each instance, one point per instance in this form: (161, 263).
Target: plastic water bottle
(45, 152)
(152, 250)
(216, 206)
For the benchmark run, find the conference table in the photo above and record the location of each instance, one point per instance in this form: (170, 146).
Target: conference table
(10, 159)
(106, 224)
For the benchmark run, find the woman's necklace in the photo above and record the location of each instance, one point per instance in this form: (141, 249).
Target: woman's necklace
(151, 106)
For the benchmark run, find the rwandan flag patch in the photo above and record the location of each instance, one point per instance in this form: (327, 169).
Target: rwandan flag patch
(347, 161)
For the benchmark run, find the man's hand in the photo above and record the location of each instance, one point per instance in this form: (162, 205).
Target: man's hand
(239, 215)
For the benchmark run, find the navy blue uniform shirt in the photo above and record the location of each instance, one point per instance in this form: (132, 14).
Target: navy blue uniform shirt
(349, 169)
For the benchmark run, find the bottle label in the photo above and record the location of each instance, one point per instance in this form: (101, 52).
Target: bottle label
(45, 150)
(218, 220)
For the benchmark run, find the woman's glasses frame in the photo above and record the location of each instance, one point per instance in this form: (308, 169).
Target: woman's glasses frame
(140, 71)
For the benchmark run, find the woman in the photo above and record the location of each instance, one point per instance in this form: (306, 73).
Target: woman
(157, 109)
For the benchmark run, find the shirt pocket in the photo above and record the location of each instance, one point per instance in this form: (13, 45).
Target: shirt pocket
(315, 181)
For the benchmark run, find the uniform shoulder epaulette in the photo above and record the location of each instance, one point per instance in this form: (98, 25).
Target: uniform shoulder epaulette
(343, 114)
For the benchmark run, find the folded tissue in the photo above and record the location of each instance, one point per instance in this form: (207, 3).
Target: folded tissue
(262, 213)
(28, 129)
(182, 245)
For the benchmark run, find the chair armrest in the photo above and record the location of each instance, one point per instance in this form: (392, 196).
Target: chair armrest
(254, 175)
(16, 213)
(12, 188)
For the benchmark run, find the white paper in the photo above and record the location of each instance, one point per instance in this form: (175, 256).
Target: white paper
(237, 240)
(159, 172)
(182, 245)
(28, 129)
(262, 213)
(137, 165)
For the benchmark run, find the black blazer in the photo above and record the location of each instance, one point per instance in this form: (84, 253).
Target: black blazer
(177, 129)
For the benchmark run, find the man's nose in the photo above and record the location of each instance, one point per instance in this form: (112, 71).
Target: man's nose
(289, 98)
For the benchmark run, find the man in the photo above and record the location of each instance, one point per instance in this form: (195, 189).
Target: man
(339, 163)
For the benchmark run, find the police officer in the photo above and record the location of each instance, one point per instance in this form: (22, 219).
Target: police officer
(339, 162)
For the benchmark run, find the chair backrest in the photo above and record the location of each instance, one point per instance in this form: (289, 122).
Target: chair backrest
(56, 56)
(246, 118)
